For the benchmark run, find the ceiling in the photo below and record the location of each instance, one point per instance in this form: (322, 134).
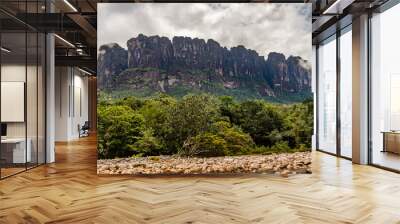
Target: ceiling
(332, 15)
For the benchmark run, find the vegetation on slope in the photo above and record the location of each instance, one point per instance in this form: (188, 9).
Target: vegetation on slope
(200, 125)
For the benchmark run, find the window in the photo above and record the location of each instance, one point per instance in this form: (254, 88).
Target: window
(327, 96)
(385, 89)
(346, 93)
(22, 80)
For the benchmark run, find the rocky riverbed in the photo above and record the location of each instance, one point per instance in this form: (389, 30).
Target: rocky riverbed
(284, 164)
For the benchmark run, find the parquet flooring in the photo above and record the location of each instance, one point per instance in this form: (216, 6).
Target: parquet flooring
(69, 191)
(11, 170)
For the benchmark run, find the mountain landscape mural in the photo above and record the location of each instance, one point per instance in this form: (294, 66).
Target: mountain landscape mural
(204, 88)
(154, 64)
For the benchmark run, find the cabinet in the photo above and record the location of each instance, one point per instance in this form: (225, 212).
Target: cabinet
(391, 142)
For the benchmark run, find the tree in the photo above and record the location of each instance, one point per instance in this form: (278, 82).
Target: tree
(227, 106)
(131, 101)
(157, 116)
(201, 125)
(192, 115)
(299, 122)
(262, 121)
(148, 145)
(119, 128)
(237, 142)
(204, 145)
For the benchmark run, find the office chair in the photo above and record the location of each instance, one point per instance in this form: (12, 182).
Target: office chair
(84, 130)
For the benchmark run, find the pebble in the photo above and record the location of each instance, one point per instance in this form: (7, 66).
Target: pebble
(284, 164)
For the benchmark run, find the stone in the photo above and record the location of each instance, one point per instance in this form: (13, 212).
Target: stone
(285, 173)
(280, 164)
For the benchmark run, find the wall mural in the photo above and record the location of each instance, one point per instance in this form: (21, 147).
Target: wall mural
(204, 88)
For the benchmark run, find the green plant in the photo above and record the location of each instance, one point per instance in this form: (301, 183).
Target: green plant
(155, 158)
(131, 101)
(119, 128)
(237, 142)
(259, 119)
(147, 145)
(204, 145)
(280, 147)
(199, 125)
(299, 124)
(191, 116)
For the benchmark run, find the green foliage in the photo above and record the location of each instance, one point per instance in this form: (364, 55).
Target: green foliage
(200, 125)
(147, 145)
(237, 142)
(157, 116)
(119, 128)
(131, 101)
(140, 70)
(145, 85)
(204, 145)
(299, 124)
(262, 121)
(227, 106)
(192, 115)
(279, 147)
(181, 91)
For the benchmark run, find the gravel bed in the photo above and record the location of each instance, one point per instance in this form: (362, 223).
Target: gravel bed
(284, 164)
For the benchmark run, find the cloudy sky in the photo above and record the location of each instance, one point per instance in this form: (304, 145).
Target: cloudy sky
(264, 27)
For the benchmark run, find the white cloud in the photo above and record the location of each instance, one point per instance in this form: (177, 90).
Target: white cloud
(264, 27)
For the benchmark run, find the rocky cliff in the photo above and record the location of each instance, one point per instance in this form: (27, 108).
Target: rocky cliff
(112, 60)
(157, 64)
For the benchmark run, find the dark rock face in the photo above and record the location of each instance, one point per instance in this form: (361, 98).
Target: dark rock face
(188, 53)
(190, 62)
(151, 51)
(277, 72)
(299, 71)
(112, 60)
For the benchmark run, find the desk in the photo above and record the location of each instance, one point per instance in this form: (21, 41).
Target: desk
(13, 150)
(391, 141)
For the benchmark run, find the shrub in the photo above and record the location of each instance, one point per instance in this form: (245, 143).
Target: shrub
(200, 125)
(299, 124)
(279, 147)
(157, 115)
(131, 101)
(119, 128)
(259, 119)
(191, 116)
(147, 145)
(227, 106)
(204, 145)
(237, 142)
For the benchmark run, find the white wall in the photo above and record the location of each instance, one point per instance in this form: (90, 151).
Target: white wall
(13, 72)
(62, 82)
(80, 110)
(10, 73)
(71, 102)
(33, 126)
(16, 73)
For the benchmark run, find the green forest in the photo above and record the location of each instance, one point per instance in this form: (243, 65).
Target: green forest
(201, 125)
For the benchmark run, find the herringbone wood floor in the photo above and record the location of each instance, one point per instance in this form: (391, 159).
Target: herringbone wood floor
(69, 191)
